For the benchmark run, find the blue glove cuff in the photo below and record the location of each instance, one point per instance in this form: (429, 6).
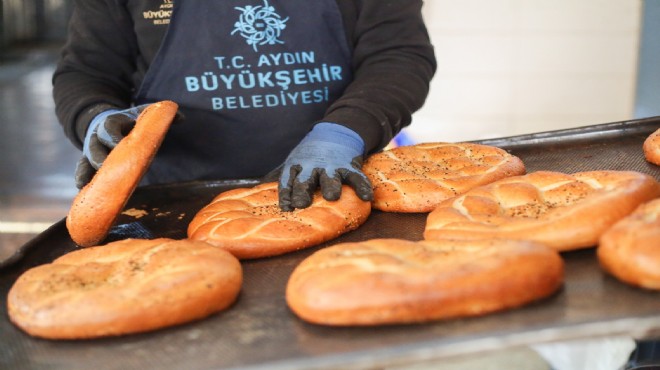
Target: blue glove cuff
(102, 133)
(97, 120)
(337, 134)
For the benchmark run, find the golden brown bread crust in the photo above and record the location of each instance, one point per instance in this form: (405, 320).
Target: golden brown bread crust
(124, 287)
(560, 210)
(96, 207)
(417, 178)
(651, 147)
(388, 281)
(249, 223)
(630, 250)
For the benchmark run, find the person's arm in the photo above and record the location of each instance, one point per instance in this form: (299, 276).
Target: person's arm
(393, 63)
(96, 67)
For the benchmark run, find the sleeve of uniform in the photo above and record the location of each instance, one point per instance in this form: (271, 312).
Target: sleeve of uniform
(96, 65)
(393, 65)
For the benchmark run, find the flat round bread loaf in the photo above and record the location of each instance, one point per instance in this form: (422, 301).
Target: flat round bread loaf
(96, 207)
(389, 281)
(249, 223)
(651, 148)
(630, 250)
(560, 210)
(417, 178)
(124, 287)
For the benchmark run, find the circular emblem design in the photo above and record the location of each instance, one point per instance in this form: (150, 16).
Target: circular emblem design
(259, 25)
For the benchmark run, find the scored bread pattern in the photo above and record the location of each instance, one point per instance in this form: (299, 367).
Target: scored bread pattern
(249, 223)
(388, 256)
(96, 207)
(561, 210)
(630, 250)
(395, 281)
(417, 178)
(123, 287)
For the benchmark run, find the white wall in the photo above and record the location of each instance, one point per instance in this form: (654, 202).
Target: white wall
(509, 67)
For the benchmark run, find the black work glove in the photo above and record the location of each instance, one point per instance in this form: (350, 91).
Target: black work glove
(105, 131)
(329, 156)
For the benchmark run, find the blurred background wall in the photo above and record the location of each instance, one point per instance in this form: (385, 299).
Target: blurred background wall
(506, 67)
(26, 22)
(518, 66)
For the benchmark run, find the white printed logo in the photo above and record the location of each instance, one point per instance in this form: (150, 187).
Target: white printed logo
(260, 25)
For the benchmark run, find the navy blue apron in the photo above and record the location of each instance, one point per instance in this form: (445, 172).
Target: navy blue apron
(251, 77)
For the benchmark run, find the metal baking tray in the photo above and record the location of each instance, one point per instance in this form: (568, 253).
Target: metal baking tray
(259, 331)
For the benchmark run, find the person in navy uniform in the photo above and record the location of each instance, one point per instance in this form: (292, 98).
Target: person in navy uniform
(304, 89)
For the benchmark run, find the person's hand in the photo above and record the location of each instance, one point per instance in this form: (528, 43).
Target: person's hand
(329, 156)
(105, 131)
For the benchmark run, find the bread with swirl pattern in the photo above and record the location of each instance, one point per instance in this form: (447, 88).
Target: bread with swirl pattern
(249, 223)
(564, 211)
(417, 178)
